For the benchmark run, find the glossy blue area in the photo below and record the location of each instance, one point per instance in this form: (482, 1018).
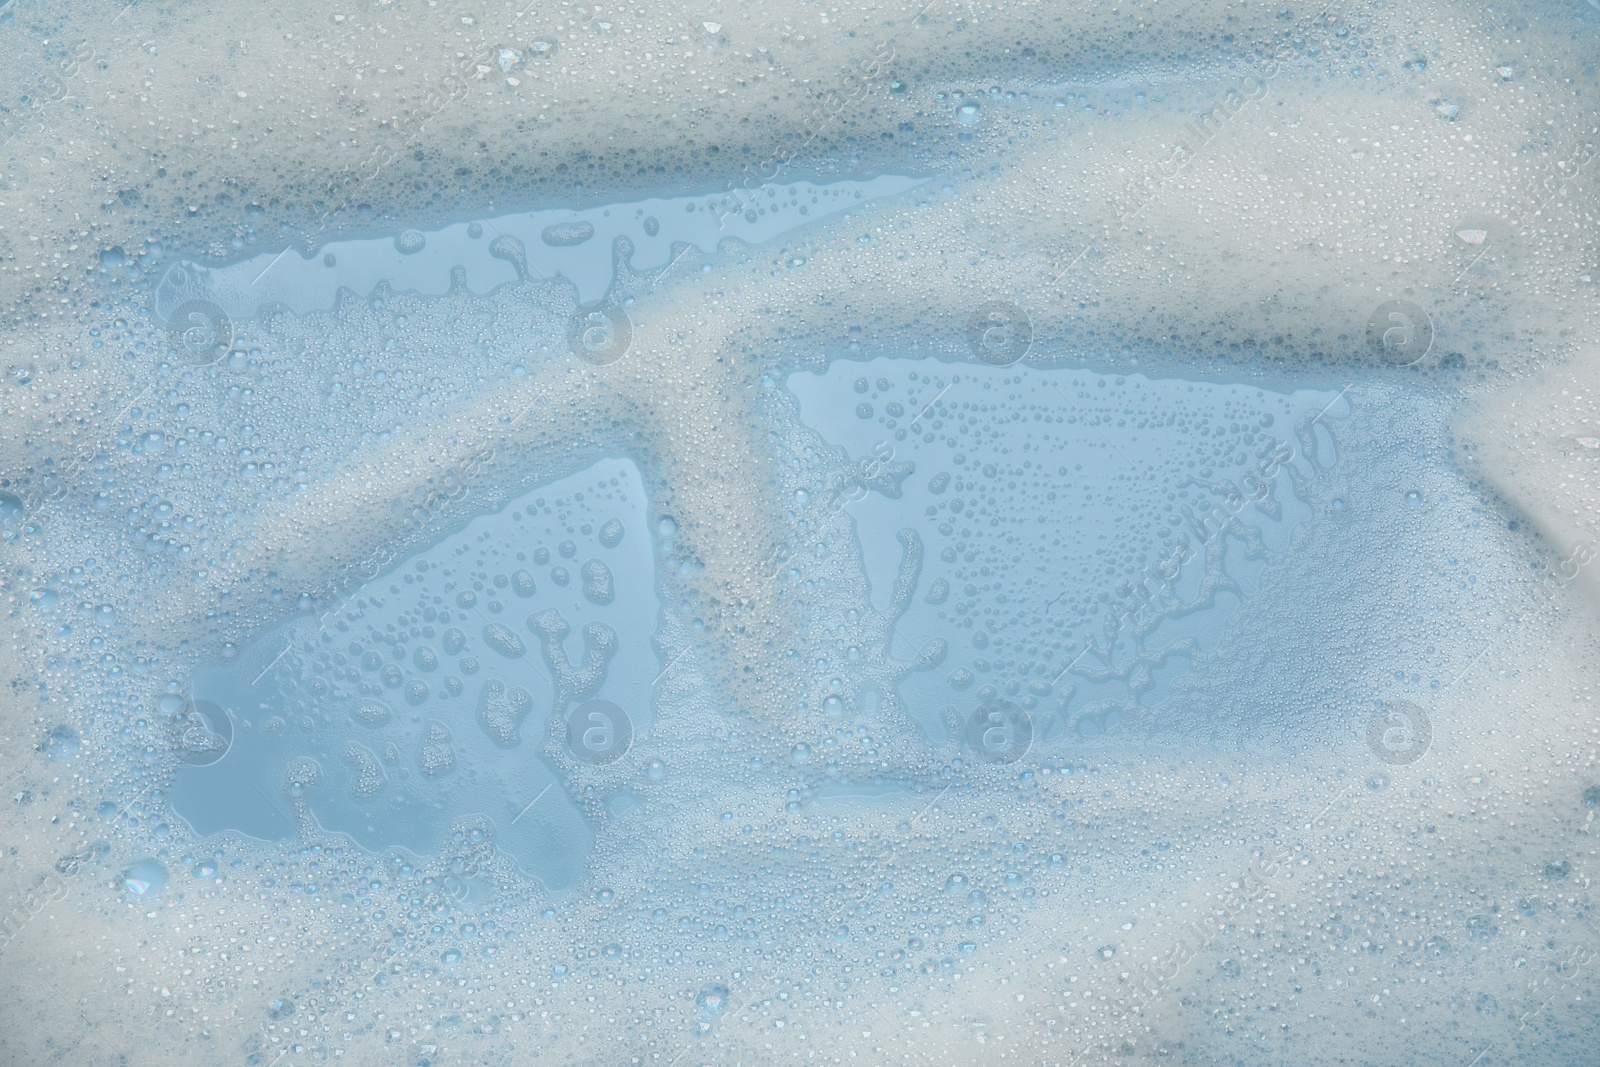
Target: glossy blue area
(1083, 535)
(423, 697)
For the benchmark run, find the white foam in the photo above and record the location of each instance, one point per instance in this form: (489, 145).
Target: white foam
(1266, 875)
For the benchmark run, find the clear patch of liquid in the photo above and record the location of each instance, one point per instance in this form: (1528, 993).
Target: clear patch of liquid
(425, 695)
(572, 244)
(1084, 535)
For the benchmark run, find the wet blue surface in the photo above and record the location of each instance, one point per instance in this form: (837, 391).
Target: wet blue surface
(1084, 536)
(424, 697)
(575, 244)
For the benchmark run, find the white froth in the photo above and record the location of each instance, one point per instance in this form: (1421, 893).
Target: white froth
(1395, 207)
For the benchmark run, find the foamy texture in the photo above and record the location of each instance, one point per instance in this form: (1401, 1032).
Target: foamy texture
(1272, 870)
(314, 119)
(1537, 443)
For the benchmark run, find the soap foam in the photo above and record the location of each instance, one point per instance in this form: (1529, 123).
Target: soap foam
(1391, 207)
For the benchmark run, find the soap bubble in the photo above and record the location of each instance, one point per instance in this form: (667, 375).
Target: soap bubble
(712, 1000)
(143, 879)
(61, 744)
